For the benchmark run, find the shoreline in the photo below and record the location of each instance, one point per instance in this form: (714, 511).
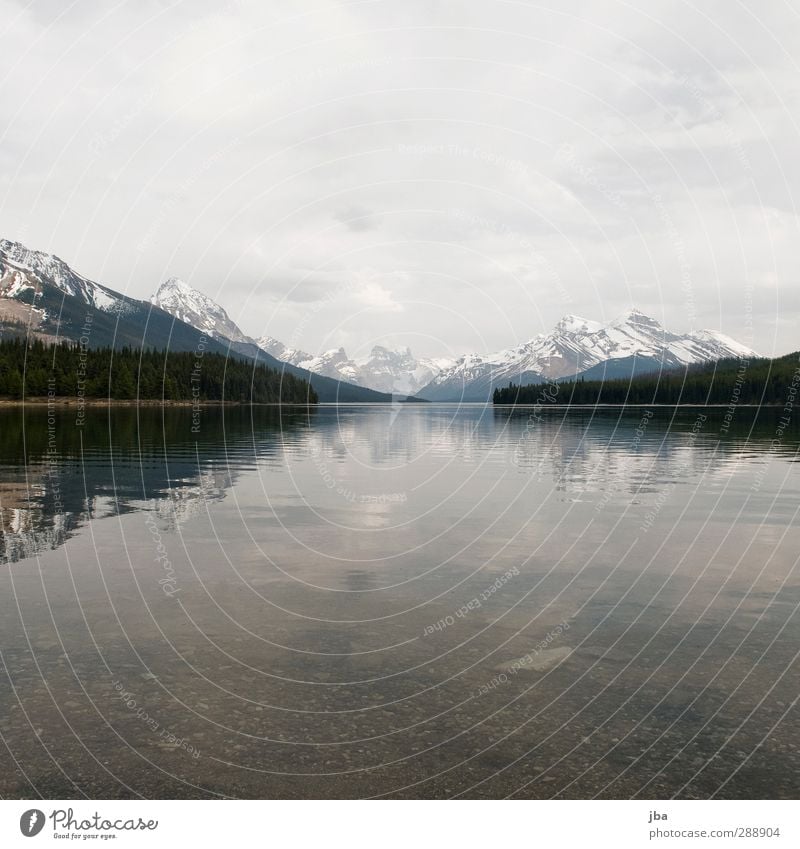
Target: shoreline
(631, 406)
(74, 401)
(71, 401)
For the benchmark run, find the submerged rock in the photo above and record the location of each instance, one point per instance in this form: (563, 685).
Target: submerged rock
(537, 661)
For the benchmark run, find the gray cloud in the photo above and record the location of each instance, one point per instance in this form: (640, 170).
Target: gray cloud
(450, 176)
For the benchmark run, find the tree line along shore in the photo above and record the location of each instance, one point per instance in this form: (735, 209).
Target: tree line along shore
(755, 381)
(33, 369)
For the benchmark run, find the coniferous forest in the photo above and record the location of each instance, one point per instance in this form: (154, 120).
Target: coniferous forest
(34, 369)
(754, 381)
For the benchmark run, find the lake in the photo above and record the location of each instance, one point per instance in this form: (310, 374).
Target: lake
(409, 601)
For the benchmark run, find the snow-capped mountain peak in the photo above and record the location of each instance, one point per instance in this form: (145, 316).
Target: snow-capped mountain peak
(23, 272)
(634, 318)
(383, 369)
(190, 305)
(175, 288)
(390, 355)
(576, 345)
(576, 325)
(397, 370)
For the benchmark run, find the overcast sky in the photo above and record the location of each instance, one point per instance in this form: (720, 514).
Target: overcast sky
(454, 176)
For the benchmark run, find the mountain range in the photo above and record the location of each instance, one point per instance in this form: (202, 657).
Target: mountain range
(391, 372)
(385, 369)
(40, 294)
(631, 344)
(42, 297)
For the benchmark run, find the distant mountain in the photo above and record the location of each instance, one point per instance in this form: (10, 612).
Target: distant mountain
(385, 369)
(189, 305)
(282, 352)
(42, 297)
(334, 363)
(631, 344)
(399, 369)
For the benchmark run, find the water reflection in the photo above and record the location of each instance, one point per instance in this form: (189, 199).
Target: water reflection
(359, 467)
(56, 476)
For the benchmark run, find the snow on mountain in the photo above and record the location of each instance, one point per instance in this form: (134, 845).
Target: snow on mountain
(23, 272)
(397, 371)
(577, 344)
(727, 347)
(201, 312)
(384, 369)
(334, 363)
(294, 356)
(574, 345)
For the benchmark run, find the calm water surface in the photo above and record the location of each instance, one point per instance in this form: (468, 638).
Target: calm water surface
(410, 601)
